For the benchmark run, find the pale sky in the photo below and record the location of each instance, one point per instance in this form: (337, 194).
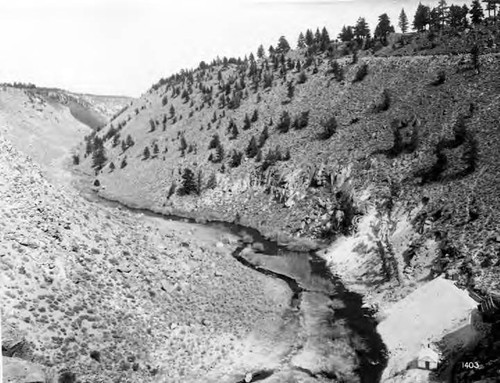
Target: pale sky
(122, 47)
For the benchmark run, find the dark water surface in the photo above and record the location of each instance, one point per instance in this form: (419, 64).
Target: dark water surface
(372, 355)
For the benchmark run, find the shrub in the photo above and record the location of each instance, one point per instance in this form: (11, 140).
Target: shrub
(337, 71)
(440, 79)
(66, 377)
(284, 123)
(123, 163)
(361, 73)
(214, 142)
(302, 77)
(111, 166)
(96, 355)
(329, 128)
(302, 121)
(383, 104)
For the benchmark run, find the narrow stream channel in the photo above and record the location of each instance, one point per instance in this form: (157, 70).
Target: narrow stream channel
(372, 356)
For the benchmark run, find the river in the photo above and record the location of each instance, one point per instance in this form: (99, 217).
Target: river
(332, 314)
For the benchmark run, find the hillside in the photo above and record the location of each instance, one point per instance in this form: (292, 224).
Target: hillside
(304, 147)
(47, 124)
(101, 295)
(415, 131)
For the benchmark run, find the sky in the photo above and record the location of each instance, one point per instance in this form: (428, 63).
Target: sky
(122, 47)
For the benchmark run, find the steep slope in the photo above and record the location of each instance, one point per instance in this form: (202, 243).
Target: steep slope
(107, 296)
(408, 130)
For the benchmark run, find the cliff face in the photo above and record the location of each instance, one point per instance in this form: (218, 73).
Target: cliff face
(407, 131)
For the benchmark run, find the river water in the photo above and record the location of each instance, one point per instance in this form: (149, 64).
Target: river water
(315, 289)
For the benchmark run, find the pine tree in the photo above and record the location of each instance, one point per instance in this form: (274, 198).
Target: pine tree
(422, 17)
(347, 34)
(156, 149)
(361, 29)
(212, 182)
(123, 163)
(146, 153)
(172, 111)
(317, 37)
(261, 52)
(234, 131)
(199, 182)
(99, 158)
(255, 116)
(219, 153)
(443, 10)
(403, 21)
(283, 46)
(264, 135)
(384, 27)
(458, 16)
(246, 122)
(309, 38)
(476, 12)
(235, 159)
(183, 145)
(325, 39)
(252, 148)
(301, 43)
(258, 157)
(111, 166)
(116, 140)
(290, 89)
(188, 185)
